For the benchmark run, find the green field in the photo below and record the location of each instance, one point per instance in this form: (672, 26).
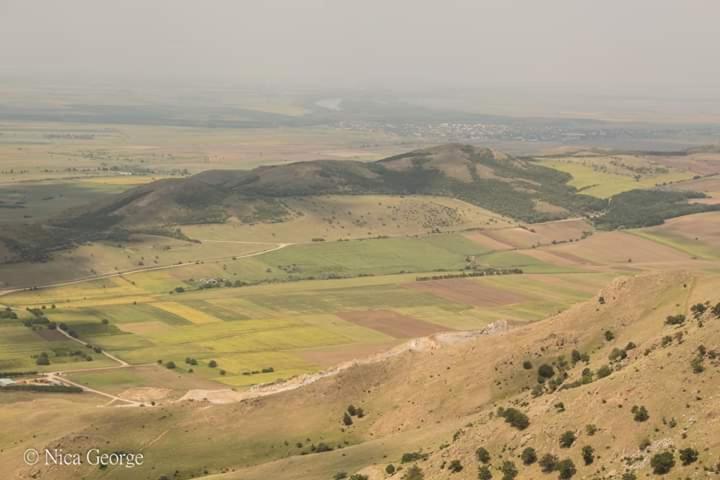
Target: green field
(605, 184)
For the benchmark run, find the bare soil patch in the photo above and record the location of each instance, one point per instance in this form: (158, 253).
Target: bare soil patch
(50, 335)
(392, 323)
(331, 356)
(468, 292)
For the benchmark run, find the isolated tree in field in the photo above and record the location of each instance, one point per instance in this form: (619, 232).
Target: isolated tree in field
(588, 454)
(640, 413)
(482, 455)
(509, 470)
(455, 466)
(546, 371)
(548, 463)
(567, 439)
(688, 456)
(529, 456)
(42, 359)
(662, 463)
(566, 468)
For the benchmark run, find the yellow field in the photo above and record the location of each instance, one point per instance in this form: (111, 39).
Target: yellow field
(195, 316)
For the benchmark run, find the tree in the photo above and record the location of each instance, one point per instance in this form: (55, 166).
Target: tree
(509, 470)
(170, 365)
(455, 466)
(42, 359)
(527, 365)
(390, 469)
(588, 454)
(352, 410)
(484, 473)
(662, 463)
(688, 456)
(347, 419)
(548, 463)
(212, 364)
(546, 371)
(567, 439)
(640, 414)
(566, 468)
(604, 371)
(514, 417)
(678, 319)
(482, 455)
(529, 456)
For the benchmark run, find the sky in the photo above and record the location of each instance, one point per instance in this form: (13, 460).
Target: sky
(646, 45)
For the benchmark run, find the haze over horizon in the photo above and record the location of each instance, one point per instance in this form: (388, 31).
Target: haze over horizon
(342, 44)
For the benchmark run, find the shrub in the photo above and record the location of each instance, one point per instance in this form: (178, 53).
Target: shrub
(455, 466)
(528, 456)
(509, 470)
(575, 356)
(347, 419)
(482, 455)
(414, 473)
(358, 476)
(567, 439)
(351, 410)
(527, 365)
(588, 454)
(716, 310)
(566, 468)
(604, 371)
(546, 371)
(629, 476)
(698, 310)
(591, 429)
(617, 355)
(212, 364)
(609, 336)
(340, 476)
(484, 473)
(640, 414)
(688, 456)
(413, 457)
(170, 365)
(548, 463)
(678, 319)
(662, 463)
(390, 469)
(514, 417)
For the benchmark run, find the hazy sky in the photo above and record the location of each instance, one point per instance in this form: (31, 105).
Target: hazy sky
(652, 44)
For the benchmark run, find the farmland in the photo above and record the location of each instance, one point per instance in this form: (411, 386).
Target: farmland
(607, 175)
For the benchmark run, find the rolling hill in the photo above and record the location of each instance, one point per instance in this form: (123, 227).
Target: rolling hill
(514, 187)
(594, 371)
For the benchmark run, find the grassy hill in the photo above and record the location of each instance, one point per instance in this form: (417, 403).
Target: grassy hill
(509, 186)
(436, 404)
